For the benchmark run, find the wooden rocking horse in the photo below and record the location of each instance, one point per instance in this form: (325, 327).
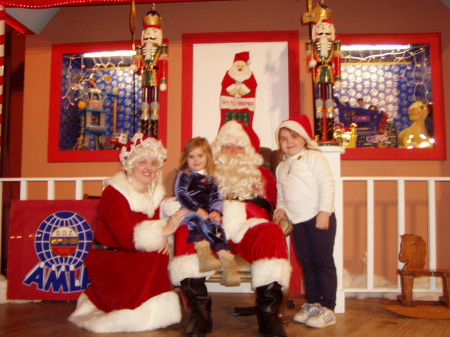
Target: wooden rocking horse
(412, 253)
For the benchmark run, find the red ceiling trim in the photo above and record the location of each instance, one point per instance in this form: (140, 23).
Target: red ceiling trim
(63, 3)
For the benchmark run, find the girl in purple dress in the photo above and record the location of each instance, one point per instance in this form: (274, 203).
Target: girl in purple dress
(196, 190)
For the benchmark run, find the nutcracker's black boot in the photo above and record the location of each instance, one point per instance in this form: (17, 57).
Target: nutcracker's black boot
(196, 293)
(268, 301)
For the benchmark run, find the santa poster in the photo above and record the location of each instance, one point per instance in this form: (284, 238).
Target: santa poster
(238, 95)
(48, 242)
(270, 94)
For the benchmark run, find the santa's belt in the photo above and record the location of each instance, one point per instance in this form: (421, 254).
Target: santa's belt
(98, 246)
(261, 202)
(150, 67)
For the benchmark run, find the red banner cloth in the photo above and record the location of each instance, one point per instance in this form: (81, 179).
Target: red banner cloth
(48, 242)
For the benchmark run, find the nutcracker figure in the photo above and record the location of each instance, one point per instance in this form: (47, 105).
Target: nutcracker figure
(323, 55)
(150, 63)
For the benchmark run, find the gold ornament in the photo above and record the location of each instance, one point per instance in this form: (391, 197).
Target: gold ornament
(316, 15)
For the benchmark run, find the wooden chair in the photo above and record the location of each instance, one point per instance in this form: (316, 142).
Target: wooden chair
(412, 252)
(244, 270)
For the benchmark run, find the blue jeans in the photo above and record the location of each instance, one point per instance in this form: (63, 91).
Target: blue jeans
(314, 248)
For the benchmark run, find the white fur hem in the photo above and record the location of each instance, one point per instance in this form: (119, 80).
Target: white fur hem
(266, 271)
(235, 222)
(148, 235)
(184, 266)
(158, 312)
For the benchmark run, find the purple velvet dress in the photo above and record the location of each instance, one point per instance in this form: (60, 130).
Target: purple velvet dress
(194, 190)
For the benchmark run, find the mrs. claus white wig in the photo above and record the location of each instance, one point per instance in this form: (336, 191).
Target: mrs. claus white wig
(139, 146)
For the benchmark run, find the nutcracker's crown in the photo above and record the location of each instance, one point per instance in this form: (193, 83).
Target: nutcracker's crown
(152, 18)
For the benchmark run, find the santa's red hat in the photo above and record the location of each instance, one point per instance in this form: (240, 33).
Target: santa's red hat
(237, 133)
(243, 56)
(302, 126)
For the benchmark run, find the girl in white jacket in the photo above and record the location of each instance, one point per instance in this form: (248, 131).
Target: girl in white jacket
(306, 197)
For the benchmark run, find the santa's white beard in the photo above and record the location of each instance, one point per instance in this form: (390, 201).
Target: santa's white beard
(240, 76)
(238, 176)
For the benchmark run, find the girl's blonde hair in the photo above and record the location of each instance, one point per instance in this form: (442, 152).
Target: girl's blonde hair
(191, 145)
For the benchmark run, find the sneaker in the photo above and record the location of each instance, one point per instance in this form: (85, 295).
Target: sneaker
(307, 310)
(325, 317)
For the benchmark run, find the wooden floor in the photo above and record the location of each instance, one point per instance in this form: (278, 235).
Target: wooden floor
(362, 318)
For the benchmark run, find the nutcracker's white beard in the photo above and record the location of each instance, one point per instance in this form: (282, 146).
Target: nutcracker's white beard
(240, 76)
(150, 49)
(239, 176)
(325, 46)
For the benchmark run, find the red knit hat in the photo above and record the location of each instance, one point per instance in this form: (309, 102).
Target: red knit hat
(302, 126)
(238, 133)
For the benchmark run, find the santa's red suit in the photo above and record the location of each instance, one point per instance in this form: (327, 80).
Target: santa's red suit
(251, 234)
(130, 289)
(238, 94)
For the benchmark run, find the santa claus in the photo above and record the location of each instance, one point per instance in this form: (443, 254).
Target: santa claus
(249, 194)
(237, 98)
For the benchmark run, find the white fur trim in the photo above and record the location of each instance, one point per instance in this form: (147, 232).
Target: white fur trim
(235, 222)
(233, 133)
(169, 207)
(145, 203)
(266, 271)
(181, 267)
(148, 235)
(158, 312)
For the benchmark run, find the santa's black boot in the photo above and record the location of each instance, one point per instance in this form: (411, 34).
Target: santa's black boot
(268, 301)
(196, 293)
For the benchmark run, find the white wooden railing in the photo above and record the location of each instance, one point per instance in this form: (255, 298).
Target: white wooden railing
(370, 205)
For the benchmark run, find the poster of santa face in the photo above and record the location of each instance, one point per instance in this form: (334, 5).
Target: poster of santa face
(253, 78)
(48, 243)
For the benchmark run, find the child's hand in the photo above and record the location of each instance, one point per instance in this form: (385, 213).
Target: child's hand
(323, 220)
(202, 213)
(215, 216)
(165, 249)
(279, 214)
(174, 221)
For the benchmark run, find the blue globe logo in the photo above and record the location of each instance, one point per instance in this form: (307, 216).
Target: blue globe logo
(63, 238)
